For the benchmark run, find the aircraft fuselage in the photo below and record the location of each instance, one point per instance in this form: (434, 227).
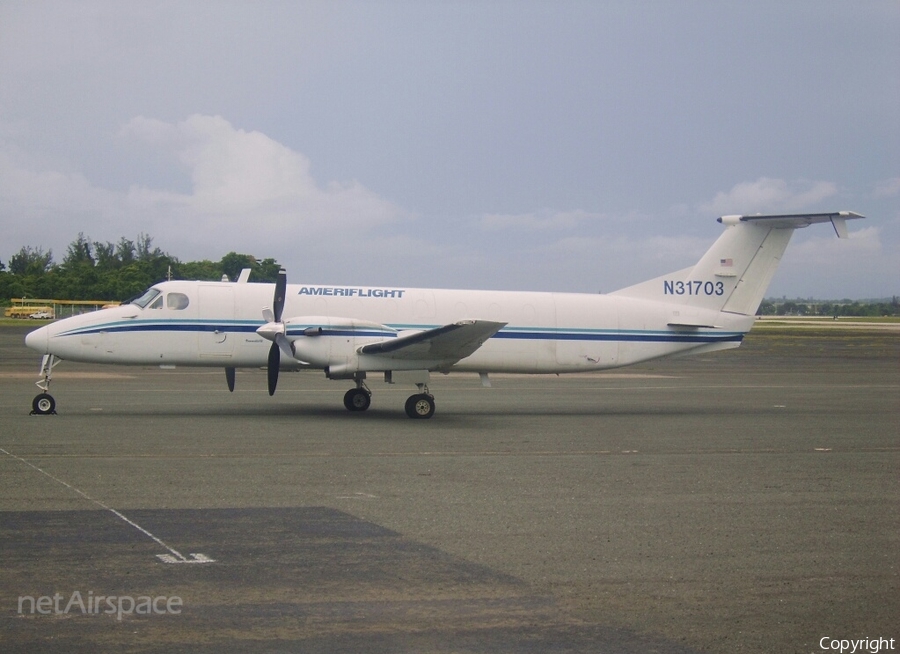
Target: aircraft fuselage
(545, 332)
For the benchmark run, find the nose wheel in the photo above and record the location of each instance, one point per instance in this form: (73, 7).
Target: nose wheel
(43, 405)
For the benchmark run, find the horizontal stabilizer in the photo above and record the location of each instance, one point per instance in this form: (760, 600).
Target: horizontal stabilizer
(448, 343)
(838, 220)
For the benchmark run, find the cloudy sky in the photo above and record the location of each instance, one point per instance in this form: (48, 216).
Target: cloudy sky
(571, 146)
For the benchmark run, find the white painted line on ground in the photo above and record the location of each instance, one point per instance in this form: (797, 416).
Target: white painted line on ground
(195, 558)
(174, 557)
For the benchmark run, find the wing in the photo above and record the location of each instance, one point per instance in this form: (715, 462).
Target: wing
(447, 344)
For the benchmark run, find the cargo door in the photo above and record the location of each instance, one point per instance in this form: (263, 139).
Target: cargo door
(216, 322)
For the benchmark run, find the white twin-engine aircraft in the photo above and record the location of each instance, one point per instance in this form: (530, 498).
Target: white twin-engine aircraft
(405, 334)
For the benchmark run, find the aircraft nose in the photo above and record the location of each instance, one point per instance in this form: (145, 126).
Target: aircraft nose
(39, 340)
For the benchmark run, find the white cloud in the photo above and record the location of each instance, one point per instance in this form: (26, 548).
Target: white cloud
(888, 188)
(824, 249)
(537, 221)
(248, 193)
(837, 265)
(49, 207)
(643, 257)
(242, 178)
(769, 195)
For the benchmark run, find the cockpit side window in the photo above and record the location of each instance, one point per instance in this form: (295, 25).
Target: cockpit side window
(177, 301)
(145, 299)
(157, 303)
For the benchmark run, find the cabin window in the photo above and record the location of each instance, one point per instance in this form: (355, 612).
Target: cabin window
(145, 299)
(177, 301)
(157, 303)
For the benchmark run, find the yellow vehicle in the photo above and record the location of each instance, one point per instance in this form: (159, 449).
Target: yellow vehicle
(48, 309)
(31, 311)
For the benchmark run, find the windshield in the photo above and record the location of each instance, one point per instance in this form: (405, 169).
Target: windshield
(146, 298)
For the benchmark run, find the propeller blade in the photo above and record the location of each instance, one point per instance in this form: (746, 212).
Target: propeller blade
(229, 377)
(285, 345)
(274, 365)
(280, 290)
(275, 332)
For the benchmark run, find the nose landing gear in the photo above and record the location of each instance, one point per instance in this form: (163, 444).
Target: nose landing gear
(43, 404)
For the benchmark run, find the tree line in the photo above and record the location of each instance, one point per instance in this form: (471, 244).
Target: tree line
(830, 309)
(96, 270)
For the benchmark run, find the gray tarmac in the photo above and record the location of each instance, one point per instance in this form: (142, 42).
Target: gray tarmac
(745, 501)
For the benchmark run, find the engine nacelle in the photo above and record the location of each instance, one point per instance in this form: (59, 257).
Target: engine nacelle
(332, 341)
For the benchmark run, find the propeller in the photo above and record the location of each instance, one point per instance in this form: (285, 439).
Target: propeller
(274, 330)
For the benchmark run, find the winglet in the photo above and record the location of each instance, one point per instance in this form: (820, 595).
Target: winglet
(840, 226)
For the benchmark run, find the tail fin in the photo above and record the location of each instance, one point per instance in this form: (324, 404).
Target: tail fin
(735, 272)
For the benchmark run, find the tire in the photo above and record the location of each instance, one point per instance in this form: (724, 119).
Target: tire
(420, 406)
(43, 404)
(356, 399)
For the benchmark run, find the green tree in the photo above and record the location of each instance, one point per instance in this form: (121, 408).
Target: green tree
(266, 271)
(11, 286)
(125, 251)
(105, 256)
(79, 253)
(232, 264)
(144, 248)
(201, 270)
(31, 261)
(260, 271)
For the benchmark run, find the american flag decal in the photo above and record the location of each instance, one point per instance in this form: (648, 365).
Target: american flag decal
(726, 263)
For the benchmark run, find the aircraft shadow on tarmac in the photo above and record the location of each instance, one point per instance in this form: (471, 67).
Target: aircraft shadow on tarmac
(459, 417)
(309, 579)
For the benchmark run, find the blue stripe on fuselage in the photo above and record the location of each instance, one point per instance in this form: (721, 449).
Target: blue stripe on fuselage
(515, 333)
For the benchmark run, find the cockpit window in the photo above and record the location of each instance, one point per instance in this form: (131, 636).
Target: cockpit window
(146, 298)
(177, 301)
(156, 304)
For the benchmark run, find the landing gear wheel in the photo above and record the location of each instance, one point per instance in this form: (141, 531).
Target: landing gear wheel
(43, 405)
(420, 406)
(357, 399)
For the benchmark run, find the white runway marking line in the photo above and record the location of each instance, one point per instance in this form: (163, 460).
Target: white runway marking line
(174, 557)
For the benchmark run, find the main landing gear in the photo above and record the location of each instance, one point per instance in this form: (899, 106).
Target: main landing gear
(420, 405)
(43, 404)
(357, 399)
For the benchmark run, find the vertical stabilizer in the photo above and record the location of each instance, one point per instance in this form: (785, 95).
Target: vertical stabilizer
(736, 271)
